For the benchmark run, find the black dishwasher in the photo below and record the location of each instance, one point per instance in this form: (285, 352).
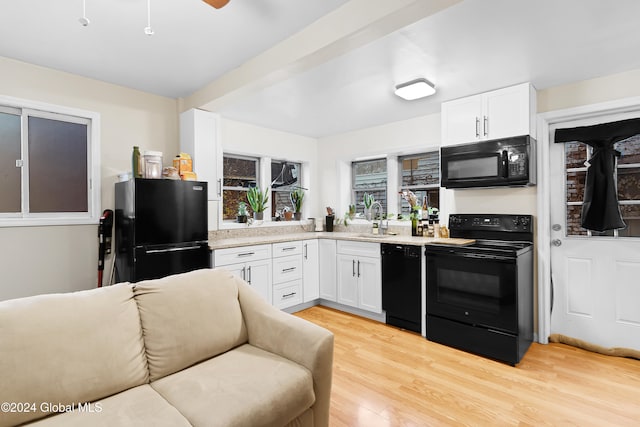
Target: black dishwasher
(401, 285)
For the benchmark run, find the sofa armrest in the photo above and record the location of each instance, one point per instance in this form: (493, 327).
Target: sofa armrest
(293, 338)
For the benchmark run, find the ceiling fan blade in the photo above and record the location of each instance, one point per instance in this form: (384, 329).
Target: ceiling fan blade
(216, 3)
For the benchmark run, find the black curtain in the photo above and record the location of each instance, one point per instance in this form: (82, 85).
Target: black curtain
(600, 210)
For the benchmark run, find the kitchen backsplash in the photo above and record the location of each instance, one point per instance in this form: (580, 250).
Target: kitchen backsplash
(302, 227)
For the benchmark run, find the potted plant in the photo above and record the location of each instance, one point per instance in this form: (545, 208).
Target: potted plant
(368, 200)
(296, 197)
(258, 201)
(242, 212)
(287, 214)
(352, 212)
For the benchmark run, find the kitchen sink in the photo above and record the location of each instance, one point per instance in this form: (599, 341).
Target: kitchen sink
(373, 236)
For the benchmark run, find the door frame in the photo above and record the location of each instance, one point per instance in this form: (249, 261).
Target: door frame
(544, 122)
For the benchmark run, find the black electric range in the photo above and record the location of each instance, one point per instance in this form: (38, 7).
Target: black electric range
(480, 296)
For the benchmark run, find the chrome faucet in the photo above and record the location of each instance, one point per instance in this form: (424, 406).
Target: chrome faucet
(384, 223)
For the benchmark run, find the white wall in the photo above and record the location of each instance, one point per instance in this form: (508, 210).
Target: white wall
(243, 138)
(335, 153)
(36, 260)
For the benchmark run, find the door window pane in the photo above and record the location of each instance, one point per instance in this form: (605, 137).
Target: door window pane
(575, 186)
(57, 166)
(628, 182)
(10, 190)
(629, 149)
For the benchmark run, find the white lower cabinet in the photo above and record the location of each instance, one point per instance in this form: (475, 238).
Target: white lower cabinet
(310, 270)
(287, 274)
(359, 278)
(328, 269)
(250, 263)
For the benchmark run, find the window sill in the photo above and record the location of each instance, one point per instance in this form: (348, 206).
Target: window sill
(231, 225)
(42, 222)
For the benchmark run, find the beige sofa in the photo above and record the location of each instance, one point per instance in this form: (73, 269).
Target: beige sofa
(199, 349)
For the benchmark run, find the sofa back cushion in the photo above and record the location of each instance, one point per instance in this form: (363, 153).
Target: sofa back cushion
(188, 318)
(63, 349)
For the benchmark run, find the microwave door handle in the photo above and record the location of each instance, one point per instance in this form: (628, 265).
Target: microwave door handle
(505, 164)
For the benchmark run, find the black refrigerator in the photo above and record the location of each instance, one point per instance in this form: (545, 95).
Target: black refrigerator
(161, 228)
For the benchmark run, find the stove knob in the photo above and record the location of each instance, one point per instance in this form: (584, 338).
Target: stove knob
(524, 221)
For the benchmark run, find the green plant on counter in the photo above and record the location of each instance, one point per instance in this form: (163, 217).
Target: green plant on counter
(242, 209)
(352, 212)
(296, 197)
(368, 200)
(257, 199)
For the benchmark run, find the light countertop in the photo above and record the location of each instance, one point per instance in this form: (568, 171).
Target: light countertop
(289, 237)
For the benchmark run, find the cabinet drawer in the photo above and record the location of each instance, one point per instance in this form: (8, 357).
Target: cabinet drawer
(242, 254)
(287, 248)
(287, 294)
(347, 247)
(287, 268)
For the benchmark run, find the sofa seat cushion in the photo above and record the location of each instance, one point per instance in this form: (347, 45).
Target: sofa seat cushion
(246, 386)
(187, 318)
(137, 407)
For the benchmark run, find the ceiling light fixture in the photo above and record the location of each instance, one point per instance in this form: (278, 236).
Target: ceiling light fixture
(84, 20)
(148, 30)
(415, 89)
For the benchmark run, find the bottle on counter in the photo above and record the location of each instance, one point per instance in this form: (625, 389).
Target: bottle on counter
(436, 229)
(136, 163)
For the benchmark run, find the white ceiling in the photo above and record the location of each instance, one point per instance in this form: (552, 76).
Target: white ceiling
(470, 47)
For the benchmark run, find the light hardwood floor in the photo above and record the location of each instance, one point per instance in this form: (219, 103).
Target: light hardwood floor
(384, 376)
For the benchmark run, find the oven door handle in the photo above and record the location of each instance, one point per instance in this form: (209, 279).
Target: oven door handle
(493, 257)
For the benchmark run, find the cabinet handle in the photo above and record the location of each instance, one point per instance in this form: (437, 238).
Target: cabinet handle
(246, 254)
(292, 294)
(358, 268)
(305, 251)
(286, 270)
(353, 268)
(290, 248)
(244, 273)
(477, 127)
(249, 271)
(219, 187)
(486, 125)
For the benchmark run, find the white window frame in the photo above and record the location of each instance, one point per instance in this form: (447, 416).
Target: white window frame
(72, 115)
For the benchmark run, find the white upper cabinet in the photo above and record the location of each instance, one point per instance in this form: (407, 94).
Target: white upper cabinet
(200, 138)
(497, 114)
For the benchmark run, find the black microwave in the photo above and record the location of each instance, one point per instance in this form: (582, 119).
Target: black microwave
(495, 163)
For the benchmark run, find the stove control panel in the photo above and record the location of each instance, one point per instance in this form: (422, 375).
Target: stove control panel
(493, 222)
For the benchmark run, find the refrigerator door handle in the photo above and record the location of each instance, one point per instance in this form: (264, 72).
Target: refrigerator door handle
(160, 251)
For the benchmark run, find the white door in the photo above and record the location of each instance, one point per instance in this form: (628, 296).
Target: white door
(369, 273)
(347, 280)
(310, 270)
(595, 278)
(258, 275)
(328, 269)
(462, 120)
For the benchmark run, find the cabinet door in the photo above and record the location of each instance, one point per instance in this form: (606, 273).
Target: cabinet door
(238, 270)
(507, 112)
(199, 137)
(347, 280)
(462, 120)
(369, 271)
(258, 275)
(328, 269)
(310, 270)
